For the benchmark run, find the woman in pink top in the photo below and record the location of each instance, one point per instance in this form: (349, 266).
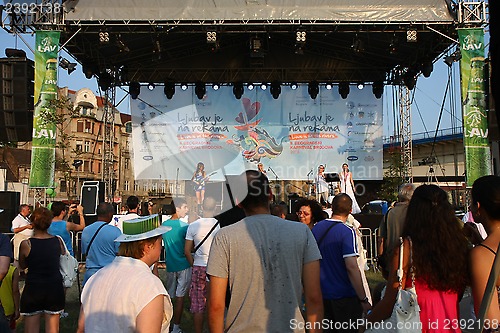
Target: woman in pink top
(438, 252)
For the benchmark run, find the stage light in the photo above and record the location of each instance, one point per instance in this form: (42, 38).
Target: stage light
(238, 90)
(151, 86)
(105, 80)
(294, 85)
(378, 89)
(361, 85)
(411, 35)
(184, 86)
(121, 45)
(313, 89)
(454, 57)
(263, 86)
(211, 37)
(250, 86)
(169, 89)
(410, 79)
(328, 86)
(256, 48)
(65, 64)
(427, 68)
(89, 69)
(215, 86)
(344, 89)
(357, 45)
(134, 89)
(200, 89)
(15, 53)
(103, 37)
(300, 36)
(275, 89)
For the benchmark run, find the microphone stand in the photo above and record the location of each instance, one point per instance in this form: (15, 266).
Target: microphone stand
(275, 178)
(309, 183)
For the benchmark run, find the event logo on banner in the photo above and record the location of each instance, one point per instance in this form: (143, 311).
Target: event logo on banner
(44, 134)
(473, 77)
(290, 135)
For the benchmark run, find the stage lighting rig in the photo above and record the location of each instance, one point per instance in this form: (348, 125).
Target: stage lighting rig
(105, 80)
(103, 37)
(378, 89)
(238, 90)
(65, 64)
(200, 89)
(256, 48)
(427, 68)
(215, 86)
(151, 86)
(294, 85)
(411, 35)
(313, 89)
(275, 89)
(169, 89)
(134, 89)
(344, 89)
(454, 57)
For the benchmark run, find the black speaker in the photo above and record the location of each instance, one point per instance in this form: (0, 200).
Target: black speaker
(9, 203)
(332, 177)
(92, 194)
(16, 99)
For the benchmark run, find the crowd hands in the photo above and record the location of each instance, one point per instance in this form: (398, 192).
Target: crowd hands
(265, 273)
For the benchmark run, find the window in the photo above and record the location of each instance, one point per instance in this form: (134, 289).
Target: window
(154, 187)
(79, 146)
(126, 186)
(128, 127)
(86, 166)
(136, 187)
(162, 187)
(62, 185)
(79, 126)
(87, 146)
(127, 163)
(145, 187)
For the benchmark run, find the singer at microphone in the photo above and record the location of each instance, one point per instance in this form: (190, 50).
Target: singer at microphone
(260, 166)
(321, 185)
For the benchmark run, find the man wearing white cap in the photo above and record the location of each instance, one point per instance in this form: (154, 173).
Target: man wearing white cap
(125, 296)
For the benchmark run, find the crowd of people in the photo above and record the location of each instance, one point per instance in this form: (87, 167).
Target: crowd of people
(271, 271)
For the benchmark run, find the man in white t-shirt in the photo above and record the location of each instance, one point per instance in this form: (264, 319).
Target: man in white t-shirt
(199, 235)
(133, 212)
(23, 229)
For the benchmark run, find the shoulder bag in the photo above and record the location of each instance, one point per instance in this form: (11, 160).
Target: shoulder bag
(405, 317)
(68, 266)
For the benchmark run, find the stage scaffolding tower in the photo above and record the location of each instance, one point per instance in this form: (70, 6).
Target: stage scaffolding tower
(405, 132)
(108, 158)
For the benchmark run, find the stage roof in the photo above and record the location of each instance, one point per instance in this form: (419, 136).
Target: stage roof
(345, 40)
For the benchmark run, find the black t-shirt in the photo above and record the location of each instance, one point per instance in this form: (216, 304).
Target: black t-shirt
(5, 247)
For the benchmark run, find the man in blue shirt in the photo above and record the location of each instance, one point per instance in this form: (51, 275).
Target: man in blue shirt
(178, 268)
(344, 297)
(103, 249)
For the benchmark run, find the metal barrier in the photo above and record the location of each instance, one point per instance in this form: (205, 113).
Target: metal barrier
(370, 239)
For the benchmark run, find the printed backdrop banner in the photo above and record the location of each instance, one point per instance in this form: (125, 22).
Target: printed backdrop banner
(44, 132)
(475, 118)
(290, 135)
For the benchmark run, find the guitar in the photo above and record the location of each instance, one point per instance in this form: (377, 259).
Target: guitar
(200, 183)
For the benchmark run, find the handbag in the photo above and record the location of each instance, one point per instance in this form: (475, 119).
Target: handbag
(68, 266)
(405, 317)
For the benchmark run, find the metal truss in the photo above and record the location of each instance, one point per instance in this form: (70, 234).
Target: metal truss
(405, 133)
(472, 12)
(108, 158)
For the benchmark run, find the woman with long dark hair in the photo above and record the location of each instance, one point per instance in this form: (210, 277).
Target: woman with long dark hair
(199, 179)
(310, 212)
(486, 210)
(435, 250)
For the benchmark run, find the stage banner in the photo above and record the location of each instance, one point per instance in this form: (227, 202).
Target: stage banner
(474, 113)
(44, 133)
(290, 135)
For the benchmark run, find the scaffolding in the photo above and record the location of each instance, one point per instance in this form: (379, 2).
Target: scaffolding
(108, 157)
(405, 137)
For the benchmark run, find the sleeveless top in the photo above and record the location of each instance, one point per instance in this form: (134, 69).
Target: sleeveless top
(200, 185)
(58, 228)
(43, 261)
(498, 288)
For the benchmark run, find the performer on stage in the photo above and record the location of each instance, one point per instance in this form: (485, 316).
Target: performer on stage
(347, 186)
(261, 168)
(199, 178)
(321, 185)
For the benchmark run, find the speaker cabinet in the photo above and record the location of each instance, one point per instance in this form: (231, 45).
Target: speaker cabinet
(9, 203)
(92, 194)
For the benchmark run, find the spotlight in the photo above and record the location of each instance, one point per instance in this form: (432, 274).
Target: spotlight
(361, 85)
(275, 89)
(410, 79)
(215, 86)
(238, 90)
(300, 36)
(328, 86)
(263, 86)
(184, 86)
(378, 89)
(15, 53)
(169, 89)
(211, 37)
(134, 89)
(250, 86)
(200, 89)
(294, 85)
(411, 35)
(151, 86)
(313, 89)
(344, 89)
(427, 68)
(104, 80)
(89, 69)
(121, 45)
(450, 59)
(65, 64)
(103, 37)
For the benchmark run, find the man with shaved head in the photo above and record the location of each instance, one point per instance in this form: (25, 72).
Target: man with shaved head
(344, 297)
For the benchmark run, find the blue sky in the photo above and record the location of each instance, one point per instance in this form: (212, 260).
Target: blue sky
(428, 95)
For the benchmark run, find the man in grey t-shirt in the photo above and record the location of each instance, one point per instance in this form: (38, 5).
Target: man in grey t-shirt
(267, 261)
